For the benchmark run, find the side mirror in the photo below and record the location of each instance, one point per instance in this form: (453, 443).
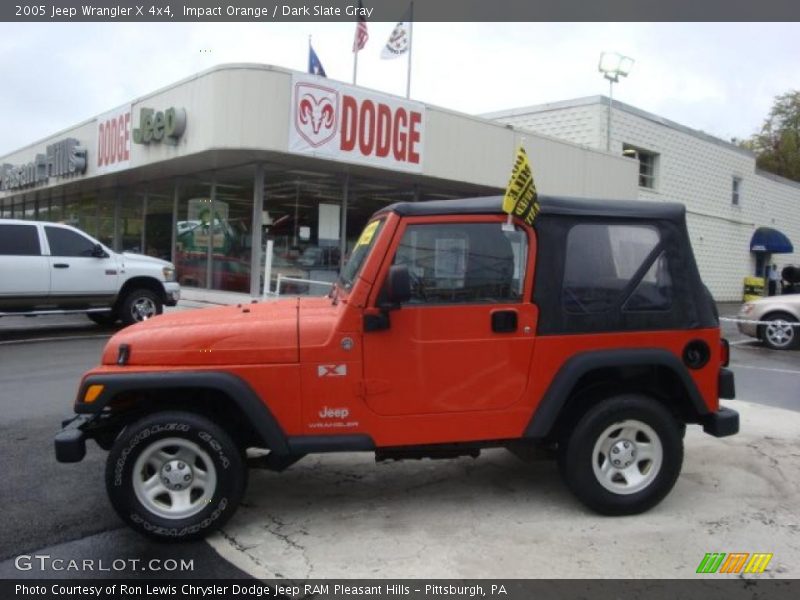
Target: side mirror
(398, 286)
(98, 251)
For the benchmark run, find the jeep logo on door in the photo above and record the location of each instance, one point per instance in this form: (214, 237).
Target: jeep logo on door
(346, 123)
(316, 113)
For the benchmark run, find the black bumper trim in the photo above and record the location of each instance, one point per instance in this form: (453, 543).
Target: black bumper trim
(70, 442)
(722, 423)
(727, 388)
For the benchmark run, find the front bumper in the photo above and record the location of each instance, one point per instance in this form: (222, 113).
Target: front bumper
(70, 442)
(172, 293)
(748, 326)
(722, 423)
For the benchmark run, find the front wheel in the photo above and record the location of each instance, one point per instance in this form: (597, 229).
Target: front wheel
(139, 305)
(780, 331)
(175, 476)
(624, 455)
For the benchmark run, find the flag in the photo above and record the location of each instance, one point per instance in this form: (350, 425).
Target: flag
(400, 38)
(520, 198)
(361, 37)
(314, 65)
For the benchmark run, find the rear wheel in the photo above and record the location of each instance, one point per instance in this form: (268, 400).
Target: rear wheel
(623, 456)
(175, 476)
(139, 305)
(780, 332)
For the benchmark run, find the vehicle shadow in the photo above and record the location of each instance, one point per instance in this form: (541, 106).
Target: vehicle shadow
(32, 328)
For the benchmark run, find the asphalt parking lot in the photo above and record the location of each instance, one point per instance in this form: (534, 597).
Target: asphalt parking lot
(345, 516)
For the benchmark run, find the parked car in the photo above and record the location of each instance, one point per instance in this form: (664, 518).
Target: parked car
(50, 268)
(774, 320)
(447, 332)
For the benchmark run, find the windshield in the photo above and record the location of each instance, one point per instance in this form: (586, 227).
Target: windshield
(360, 252)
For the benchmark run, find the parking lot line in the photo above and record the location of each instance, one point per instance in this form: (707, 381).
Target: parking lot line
(741, 366)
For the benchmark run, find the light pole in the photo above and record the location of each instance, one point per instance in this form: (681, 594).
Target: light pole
(613, 66)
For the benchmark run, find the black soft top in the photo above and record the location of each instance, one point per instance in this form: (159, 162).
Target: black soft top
(550, 205)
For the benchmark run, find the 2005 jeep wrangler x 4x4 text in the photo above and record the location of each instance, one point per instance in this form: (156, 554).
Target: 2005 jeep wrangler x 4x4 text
(449, 330)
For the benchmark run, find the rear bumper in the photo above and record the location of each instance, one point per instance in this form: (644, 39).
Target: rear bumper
(722, 423)
(726, 388)
(70, 442)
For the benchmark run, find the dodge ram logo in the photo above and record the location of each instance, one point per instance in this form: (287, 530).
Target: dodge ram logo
(316, 113)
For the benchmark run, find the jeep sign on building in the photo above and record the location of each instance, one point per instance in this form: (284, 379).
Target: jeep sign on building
(206, 172)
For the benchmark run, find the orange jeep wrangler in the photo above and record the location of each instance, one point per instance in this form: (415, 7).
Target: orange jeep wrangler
(450, 330)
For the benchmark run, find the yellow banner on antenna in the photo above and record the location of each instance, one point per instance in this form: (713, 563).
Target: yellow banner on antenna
(520, 198)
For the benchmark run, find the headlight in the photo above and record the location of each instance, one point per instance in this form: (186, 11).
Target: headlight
(169, 273)
(747, 309)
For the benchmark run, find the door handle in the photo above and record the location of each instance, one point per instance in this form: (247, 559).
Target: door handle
(61, 266)
(504, 321)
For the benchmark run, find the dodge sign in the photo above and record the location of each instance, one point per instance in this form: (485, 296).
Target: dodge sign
(335, 121)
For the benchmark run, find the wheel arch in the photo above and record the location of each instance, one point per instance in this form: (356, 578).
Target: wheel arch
(591, 377)
(224, 397)
(138, 282)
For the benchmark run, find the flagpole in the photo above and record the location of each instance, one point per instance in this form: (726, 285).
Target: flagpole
(355, 66)
(410, 47)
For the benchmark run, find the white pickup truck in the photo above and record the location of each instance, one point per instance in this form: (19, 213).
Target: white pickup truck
(50, 268)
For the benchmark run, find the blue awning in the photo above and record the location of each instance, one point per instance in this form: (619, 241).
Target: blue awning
(766, 239)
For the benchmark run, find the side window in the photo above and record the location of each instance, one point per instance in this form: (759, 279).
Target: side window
(464, 262)
(601, 260)
(19, 240)
(654, 291)
(64, 242)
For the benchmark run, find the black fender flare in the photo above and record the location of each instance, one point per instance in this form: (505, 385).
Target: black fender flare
(557, 395)
(256, 411)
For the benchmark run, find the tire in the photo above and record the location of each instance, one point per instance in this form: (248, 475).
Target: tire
(632, 424)
(781, 333)
(161, 453)
(139, 305)
(104, 319)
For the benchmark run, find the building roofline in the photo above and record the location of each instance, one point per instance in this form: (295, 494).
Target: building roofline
(266, 67)
(603, 100)
(777, 178)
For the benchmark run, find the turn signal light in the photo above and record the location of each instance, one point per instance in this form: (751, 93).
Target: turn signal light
(92, 393)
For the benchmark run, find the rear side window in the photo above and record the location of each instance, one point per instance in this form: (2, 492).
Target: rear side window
(64, 242)
(19, 240)
(600, 263)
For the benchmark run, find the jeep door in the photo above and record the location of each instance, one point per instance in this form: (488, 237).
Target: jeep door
(24, 271)
(464, 340)
(77, 276)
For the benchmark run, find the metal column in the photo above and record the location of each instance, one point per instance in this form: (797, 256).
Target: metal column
(257, 226)
(343, 221)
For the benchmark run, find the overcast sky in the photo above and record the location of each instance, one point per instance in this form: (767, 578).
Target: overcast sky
(720, 78)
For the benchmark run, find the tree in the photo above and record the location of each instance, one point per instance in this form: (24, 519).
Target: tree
(777, 146)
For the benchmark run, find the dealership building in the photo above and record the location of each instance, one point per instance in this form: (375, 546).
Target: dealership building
(206, 171)
(740, 218)
(214, 170)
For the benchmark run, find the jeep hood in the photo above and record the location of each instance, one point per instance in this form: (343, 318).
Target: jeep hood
(260, 333)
